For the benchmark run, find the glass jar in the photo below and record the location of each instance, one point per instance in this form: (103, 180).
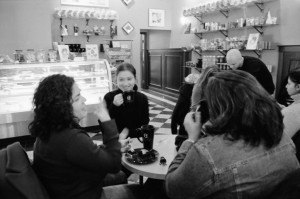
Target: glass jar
(30, 56)
(19, 56)
(52, 55)
(40, 55)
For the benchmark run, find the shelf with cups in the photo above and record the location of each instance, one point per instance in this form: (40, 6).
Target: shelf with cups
(258, 28)
(258, 52)
(224, 7)
(88, 31)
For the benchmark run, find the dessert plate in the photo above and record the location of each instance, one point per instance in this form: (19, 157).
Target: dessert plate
(141, 156)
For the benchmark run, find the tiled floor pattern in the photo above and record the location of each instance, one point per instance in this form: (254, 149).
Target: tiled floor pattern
(160, 118)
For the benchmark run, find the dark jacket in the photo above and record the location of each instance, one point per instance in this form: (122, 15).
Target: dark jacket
(259, 70)
(182, 107)
(17, 179)
(70, 165)
(132, 115)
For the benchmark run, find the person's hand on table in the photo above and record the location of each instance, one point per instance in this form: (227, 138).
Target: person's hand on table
(125, 142)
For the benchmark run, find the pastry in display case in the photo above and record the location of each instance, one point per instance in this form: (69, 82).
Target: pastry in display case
(18, 83)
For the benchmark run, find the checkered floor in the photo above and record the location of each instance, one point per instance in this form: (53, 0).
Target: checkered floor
(160, 118)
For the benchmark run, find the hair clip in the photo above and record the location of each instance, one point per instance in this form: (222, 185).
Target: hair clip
(163, 161)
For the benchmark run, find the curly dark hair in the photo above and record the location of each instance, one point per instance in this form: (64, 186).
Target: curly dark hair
(240, 108)
(53, 111)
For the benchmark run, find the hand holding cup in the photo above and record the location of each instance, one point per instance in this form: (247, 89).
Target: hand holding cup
(118, 100)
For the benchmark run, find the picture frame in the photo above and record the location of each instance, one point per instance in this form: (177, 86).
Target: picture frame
(92, 52)
(156, 18)
(116, 44)
(128, 28)
(252, 41)
(90, 3)
(127, 2)
(63, 51)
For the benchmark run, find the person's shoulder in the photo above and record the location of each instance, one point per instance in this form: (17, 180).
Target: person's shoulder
(111, 94)
(248, 59)
(75, 131)
(186, 89)
(291, 109)
(141, 95)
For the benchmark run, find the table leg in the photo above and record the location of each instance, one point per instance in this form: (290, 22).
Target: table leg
(141, 180)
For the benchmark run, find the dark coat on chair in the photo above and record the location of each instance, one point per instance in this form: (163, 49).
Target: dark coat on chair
(17, 178)
(289, 188)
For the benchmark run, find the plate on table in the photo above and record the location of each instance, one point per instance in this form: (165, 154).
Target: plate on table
(141, 156)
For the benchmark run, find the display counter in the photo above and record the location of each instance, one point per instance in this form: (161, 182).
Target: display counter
(18, 83)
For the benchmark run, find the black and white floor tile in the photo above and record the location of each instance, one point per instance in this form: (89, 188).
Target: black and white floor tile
(160, 118)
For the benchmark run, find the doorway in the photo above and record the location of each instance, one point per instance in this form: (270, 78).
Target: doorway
(144, 58)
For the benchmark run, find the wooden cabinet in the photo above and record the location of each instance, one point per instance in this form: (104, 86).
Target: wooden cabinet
(289, 59)
(166, 71)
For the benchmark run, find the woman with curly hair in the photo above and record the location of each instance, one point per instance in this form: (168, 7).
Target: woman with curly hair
(245, 153)
(66, 160)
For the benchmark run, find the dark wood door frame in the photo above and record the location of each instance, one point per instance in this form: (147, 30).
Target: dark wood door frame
(144, 46)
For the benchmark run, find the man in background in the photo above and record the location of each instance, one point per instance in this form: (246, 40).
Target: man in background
(252, 65)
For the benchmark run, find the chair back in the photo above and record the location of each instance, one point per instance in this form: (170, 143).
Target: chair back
(289, 188)
(17, 178)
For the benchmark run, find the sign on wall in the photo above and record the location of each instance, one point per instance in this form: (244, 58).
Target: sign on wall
(93, 3)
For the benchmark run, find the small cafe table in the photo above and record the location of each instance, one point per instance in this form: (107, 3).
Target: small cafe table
(165, 146)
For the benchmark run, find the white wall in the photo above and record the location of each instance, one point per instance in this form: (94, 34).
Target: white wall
(29, 24)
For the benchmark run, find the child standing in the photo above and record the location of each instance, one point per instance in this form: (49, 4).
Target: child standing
(126, 105)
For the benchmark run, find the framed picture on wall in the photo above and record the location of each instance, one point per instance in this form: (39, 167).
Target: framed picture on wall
(252, 41)
(128, 28)
(63, 51)
(92, 52)
(127, 1)
(93, 3)
(156, 18)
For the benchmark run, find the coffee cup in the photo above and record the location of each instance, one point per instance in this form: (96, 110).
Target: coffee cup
(128, 97)
(146, 132)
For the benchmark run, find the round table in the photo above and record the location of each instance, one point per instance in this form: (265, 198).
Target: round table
(165, 146)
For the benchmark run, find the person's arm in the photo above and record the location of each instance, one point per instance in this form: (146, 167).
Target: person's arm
(181, 108)
(264, 77)
(82, 152)
(189, 173)
(175, 117)
(145, 110)
(112, 109)
(143, 115)
(291, 116)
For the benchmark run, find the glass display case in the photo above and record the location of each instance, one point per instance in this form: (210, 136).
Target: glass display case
(18, 83)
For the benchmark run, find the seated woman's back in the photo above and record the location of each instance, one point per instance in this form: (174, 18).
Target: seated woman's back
(233, 169)
(245, 153)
